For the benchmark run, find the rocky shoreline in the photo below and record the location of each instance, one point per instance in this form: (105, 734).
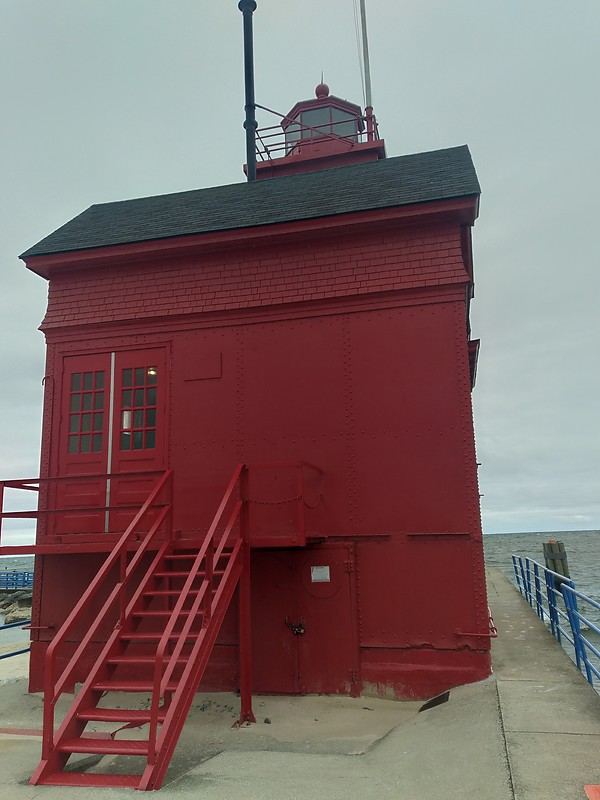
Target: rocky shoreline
(15, 606)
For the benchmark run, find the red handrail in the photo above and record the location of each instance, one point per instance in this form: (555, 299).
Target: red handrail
(35, 484)
(211, 554)
(299, 466)
(52, 690)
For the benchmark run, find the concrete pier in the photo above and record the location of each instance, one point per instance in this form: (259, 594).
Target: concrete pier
(530, 732)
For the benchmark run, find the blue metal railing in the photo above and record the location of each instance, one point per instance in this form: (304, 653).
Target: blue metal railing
(20, 624)
(583, 644)
(16, 579)
(554, 599)
(12, 580)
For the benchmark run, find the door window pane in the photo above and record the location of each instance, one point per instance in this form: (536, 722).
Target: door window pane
(87, 393)
(138, 408)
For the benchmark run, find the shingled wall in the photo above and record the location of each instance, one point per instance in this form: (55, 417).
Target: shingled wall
(317, 269)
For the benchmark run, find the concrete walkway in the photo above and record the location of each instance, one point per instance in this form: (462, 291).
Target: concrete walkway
(531, 732)
(550, 714)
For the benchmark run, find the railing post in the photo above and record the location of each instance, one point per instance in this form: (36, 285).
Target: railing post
(539, 603)
(523, 580)
(48, 713)
(209, 567)
(529, 594)
(122, 579)
(572, 613)
(517, 576)
(246, 713)
(552, 608)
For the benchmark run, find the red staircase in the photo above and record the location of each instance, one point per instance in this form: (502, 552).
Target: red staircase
(168, 615)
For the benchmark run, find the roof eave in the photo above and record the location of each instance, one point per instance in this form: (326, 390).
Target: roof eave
(462, 209)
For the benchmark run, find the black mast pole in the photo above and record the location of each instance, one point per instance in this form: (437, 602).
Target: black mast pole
(248, 7)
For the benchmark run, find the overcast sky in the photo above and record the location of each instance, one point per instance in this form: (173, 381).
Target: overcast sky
(112, 99)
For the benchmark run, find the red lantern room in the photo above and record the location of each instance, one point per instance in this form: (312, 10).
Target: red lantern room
(323, 132)
(258, 465)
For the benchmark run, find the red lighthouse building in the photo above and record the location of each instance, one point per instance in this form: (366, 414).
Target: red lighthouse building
(258, 455)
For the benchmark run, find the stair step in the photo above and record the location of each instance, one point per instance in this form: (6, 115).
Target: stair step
(192, 549)
(149, 614)
(124, 715)
(217, 573)
(140, 659)
(179, 556)
(129, 686)
(124, 747)
(153, 636)
(90, 779)
(174, 574)
(169, 593)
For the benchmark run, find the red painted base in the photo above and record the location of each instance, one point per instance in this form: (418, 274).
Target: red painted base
(421, 674)
(394, 673)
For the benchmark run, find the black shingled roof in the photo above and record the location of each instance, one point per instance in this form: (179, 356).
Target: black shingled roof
(404, 180)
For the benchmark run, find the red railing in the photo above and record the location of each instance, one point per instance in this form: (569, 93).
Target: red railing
(43, 485)
(203, 603)
(271, 141)
(54, 688)
(299, 499)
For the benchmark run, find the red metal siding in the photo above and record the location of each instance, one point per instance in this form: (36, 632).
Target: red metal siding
(373, 398)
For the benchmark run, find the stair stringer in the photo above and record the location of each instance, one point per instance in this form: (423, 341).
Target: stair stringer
(183, 696)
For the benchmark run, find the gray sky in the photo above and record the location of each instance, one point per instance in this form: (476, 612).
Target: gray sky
(111, 99)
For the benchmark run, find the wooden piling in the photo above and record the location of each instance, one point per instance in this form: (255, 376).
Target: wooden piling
(555, 557)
